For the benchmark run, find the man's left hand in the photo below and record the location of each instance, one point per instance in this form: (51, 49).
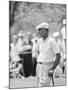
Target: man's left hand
(50, 73)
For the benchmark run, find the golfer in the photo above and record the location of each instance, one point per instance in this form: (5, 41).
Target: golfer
(47, 48)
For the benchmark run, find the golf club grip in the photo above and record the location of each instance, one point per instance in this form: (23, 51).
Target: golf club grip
(52, 80)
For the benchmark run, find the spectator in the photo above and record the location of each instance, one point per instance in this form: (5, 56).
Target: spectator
(27, 55)
(63, 46)
(34, 55)
(58, 70)
(14, 53)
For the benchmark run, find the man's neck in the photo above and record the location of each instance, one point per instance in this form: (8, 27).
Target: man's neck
(44, 38)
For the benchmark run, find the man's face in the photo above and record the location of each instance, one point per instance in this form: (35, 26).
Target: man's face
(14, 40)
(43, 32)
(21, 37)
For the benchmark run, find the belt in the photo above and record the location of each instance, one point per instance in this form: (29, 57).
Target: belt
(39, 63)
(26, 53)
(45, 62)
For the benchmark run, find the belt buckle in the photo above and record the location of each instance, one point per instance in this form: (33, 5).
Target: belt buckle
(39, 62)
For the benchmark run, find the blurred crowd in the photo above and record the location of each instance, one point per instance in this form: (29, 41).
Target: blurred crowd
(23, 56)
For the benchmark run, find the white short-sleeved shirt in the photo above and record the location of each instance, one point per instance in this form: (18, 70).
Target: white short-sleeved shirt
(34, 48)
(47, 49)
(63, 46)
(19, 45)
(63, 32)
(14, 53)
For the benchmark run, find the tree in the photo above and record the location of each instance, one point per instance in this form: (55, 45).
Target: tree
(12, 9)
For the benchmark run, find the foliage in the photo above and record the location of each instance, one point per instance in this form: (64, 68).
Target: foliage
(27, 15)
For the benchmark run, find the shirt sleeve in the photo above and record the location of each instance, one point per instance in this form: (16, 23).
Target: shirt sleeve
(54, 47)
(37, 47)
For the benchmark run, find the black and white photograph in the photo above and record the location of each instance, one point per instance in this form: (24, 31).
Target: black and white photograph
(37, 44)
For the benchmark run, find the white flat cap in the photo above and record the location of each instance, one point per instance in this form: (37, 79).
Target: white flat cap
(28, 33)
(21, 34)
(43, 25)
(14, 37)
(21, 31)
(55, 34)
(64, 21)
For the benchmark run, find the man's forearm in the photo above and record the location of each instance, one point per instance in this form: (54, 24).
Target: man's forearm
(56, 61)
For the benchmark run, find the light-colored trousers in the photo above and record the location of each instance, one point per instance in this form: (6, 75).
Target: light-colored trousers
(42, 74)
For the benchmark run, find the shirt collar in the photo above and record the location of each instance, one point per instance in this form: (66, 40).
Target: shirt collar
(47, 38)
